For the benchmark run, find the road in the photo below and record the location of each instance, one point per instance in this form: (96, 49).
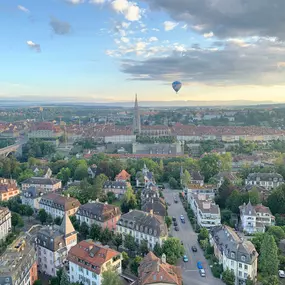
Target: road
(186, 234)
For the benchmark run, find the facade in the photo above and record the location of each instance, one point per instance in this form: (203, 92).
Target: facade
(53, 245)
(220, 178)
(92, 170)
(5, 223)
(99, 213)
(88, 260)
(267, 180)
(117, 187)
(46, 184)
(153, 270)
(137, 118)
(44, 130)
(8, 189)
(57, 205)
(197, 178)
(206, 211)
(18, 264)
(32, 196)
(234, 253)
(42, 171)
(143, 226)
(149, 193)
(209, 190)
(160, 149)
(255, 218)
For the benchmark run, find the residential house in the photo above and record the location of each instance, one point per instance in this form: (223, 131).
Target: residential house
(153, 270)
(102, 214)
(255, 218)
(119, 188)
(92, 170)
(143, 226)
(149, 193)
(196, 177)
(221, 176)
(88, 261)
(205, 209)
(32, 196)
(155, 205)
(18, 264)
(208, 189)
(123, 176)
(42, 171)
(5, 223)
(53, 244)
(266, 180)
(8, 189)
(234, 253)
(145, 178)
(58, 205)
(47, 184)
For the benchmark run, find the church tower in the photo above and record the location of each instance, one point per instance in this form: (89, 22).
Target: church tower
(137, 118)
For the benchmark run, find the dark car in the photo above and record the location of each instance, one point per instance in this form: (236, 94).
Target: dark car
(173, 219)
(194, 248)
(175, 224)
(176, 228)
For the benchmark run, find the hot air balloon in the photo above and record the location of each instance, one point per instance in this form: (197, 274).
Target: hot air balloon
(176, 85)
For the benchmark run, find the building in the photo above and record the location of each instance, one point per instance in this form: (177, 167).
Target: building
(205, 209)
(8, 189)
(102, 214)
(123, 176)
(32, 196)
(5, 223)
(149, 193)
(143, 226)
(88, 260)
(42, 171)
(197, 177)
(117, 187)
(153, 270)
(44, 130)
(92, 170)
(234, 253)
(155, 205)
(18, 264)
(46, 184)
(58, 205)
(53, 244)
(209, 190)
(137, 118)
(144, 178)
(255, 218)
(159, 149)
(220, 178)
(266, 180)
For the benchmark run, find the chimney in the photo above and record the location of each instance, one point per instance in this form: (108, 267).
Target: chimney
(151, 212)
(163, 258)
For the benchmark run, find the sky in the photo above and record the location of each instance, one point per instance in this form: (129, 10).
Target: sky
(108, 50)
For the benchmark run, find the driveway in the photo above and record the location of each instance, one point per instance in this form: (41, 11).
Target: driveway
(186, 234)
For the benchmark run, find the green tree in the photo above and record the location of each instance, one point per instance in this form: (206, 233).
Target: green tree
(81, 172)
(129, 200)
(144, 247)
(228, 277)
(209, 166)
(117, 240)
(29, 211)
(257, 241)
(173, 183)
(38, 282)
(249, 281)
(271, 280)
(111, 278)
(84, 230)
(111, 197)
(173, 249)
(16, 220)
(224, 193)
(57, 221)
(168, 221)
(42, 216)
(203, 234)
(106, 236)
(98, 185)
(268, 261)
(64, 280)
(157, 250)
(95, 232)
(130, 243)
(186, 178)
(277, 232)
(49, 219)
(276, 200)
(135, 265)
(126, 260)
(64, 175)
(226, 161)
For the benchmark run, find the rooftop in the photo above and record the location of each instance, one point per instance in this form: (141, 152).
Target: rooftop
(67, 203)
(41, 181)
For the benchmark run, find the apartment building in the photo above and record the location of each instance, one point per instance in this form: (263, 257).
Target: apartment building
(206, 211)
(46, 184)
(102, 214)
(53, 244)
(8, 189)
(119, 188)
(18, 264)
(5, 223)
(234, 253)
(143, 226)
(255, 218)
(32, 196)
(88, 260)
(209, 190)
(58, 205)
(266, 180)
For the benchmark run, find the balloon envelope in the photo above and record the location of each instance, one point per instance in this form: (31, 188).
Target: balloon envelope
(176, 85)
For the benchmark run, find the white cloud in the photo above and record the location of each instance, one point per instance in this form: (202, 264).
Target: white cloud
(155, 29)
(124, 40)
(168, 25)
(125, 25)
(153, 39)
(24, 9)
(97, 1)
(130, 10)
(185, 27)
(208, 35)
(34, 46)
(74, 2)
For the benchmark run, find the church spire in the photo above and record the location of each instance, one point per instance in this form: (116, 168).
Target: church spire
(137, 118)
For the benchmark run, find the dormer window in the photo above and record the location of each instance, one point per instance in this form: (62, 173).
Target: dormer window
(232, 255)
(141, 228)
(242, 258)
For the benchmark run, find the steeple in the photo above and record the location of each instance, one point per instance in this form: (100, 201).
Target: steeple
(66, 226)
(137, 118)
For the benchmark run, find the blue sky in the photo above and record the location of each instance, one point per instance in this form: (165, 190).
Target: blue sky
(82, 50)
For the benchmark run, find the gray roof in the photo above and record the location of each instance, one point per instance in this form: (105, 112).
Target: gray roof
(231, 245)
(206, 205)
(41, 181)
(248, 209)
(196, 175)
(144, 222)
(33, 192)
(222, 175)
(264, 176)
(43, 168)
(156, 204)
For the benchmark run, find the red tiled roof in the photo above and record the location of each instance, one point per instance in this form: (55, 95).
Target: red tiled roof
(123, 175)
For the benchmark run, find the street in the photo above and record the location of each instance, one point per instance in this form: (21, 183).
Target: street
(186, 234)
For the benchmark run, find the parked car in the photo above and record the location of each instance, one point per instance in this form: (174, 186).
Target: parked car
(199, 265)
(185, 258)
(181, 217)
(202, 272)
(194, 248)
(173, 219)
(176, 228)
(183, 221)
(175, 223)
(281, 273)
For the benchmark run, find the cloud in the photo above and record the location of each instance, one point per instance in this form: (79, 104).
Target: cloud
(130, 10)
(153, 39)
(168, 25)
(228, 18)
(124, 40)
(75, 2)
(24, 9)
(256, 62)
(59, 27)
(97, 1)
(208, 35)
(34, 46)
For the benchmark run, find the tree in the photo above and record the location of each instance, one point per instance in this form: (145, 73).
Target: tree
(135, 265)
(249, 281)
(186, 178)
(99, 182)
(173, 183)
(130, 243)
(117, 240)
(38, 282)
(81, 172)
(271, 280)
(224, 192)
(129, 200)
(168, 221)
(64, 175)
(254, 196)
(173, 249)
(95, 232)
(57, 221)
(226, 161)
(276, 200)
(42, 215)
(203, 234)
(84, 230)
(228, 277)
(49, 219)
(268, 261)
(257, 241)
(106, 236)
(125, 260)
(144, 247)
(277, 232)
(29, 211)
(111, 278)
(16, 220)
(209, 166)
(64, 280)
(157, 250)
(111, 197)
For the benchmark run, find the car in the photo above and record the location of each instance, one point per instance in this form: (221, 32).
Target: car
(199, 265)
(181, 217)
(281, 273)
(183, 221)
(194, 248)
(176, 201)
(173, 219)
(175, 223)
(176, 228)
(202, 272)
(185, 258)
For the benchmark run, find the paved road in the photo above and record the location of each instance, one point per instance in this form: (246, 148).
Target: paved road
(186, 234)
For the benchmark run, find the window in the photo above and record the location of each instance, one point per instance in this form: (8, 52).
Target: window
(232, 263)
(245, 267)
(87, 272)
(240, 273)
(240, 265)
(94, 275)
(80, 269)
(232, 255)
(245, 275)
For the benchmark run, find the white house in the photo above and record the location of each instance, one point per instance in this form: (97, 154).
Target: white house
(47, 184)
(255, 218)
(266, 180)
(5, 223)
(88, 260)
(234, 253)
(32, 196)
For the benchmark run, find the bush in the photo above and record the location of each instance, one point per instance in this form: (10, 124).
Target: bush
(217, 270)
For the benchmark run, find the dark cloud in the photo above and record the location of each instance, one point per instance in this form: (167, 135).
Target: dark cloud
(228, 18)
(237, 63)
(59, 27)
